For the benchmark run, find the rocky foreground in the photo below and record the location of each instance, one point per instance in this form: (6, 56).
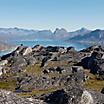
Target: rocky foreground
(52, 75)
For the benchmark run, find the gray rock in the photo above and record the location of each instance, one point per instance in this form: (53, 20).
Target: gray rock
(7, 97)
(3, 62)
(71, 49)
(74, 96)
(37, 48)
(95, 63)
(27, 51)
(102, 91)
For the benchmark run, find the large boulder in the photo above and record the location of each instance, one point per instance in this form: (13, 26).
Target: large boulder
(62, 50)
(78, 74)
(71, 49)
(3, 62)
(1, 70)
(27, 51)
(57, 97)
(95, 63)
(56, 49)
(37, 48)
(30, 60)
(74, 96)
(7, 97)
(18, 61)
(92, 97)
(102, 91)
(21, 50)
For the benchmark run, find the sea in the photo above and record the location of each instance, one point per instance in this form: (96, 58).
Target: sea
(78, 46)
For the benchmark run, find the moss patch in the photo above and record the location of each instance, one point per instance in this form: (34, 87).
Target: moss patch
(35, 70)
(57, 63)
(8, 84)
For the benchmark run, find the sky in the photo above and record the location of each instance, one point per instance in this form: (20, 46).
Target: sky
(51, 14)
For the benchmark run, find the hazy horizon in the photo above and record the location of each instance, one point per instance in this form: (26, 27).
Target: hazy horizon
(50, 29)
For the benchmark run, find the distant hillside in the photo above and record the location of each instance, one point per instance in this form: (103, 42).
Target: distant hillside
(79, 32)
(4, 46)
(7, 34)
(96, 36)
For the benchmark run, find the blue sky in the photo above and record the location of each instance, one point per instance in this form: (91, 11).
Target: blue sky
(50, 14)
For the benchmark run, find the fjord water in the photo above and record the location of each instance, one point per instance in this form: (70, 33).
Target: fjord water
(78, 46)
(3, 52)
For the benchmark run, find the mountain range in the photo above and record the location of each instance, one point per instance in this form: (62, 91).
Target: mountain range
(17, 33)
(96, 36)
(81, 35)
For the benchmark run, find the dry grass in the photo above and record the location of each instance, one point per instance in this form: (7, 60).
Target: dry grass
(34, 70)
(93, 83)
(8, 84)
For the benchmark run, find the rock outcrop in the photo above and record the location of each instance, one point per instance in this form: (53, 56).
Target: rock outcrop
(95, 62)
(7, 97)
(52, 75)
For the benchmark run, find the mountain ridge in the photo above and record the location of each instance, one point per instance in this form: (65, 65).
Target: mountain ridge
(96, 36)
(83, 34)
(19, 33)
